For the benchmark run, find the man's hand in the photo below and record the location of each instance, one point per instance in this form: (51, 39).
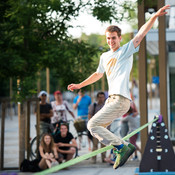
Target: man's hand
(91, 79)
(71, 87)
(148, 25)
(161, 11)
(79, 99)
(42, 116)
(60, 144)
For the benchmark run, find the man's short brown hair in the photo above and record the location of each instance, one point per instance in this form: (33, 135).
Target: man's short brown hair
(114, 28)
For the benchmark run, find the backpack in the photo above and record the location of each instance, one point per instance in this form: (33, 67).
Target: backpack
(95, 104)
(29, 166)
(88, 133)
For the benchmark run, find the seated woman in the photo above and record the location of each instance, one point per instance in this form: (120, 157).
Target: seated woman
(48, 152)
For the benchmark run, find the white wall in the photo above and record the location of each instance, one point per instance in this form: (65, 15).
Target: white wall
(171, 59)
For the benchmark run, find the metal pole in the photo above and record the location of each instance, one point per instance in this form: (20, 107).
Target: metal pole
(142, 78)
(28, 129)
(39, 82)
(38, 124)
(48, 82)
(11, 93)
(21, 122)
(21, 116)
(2, 135)
(163, 65)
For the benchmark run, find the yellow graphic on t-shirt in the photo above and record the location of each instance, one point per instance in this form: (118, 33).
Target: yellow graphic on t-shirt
(110, 66)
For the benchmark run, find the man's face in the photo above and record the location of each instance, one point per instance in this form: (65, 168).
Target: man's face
(101, 98)
(43, 97)
(63, 130)
(113, 40)
(80, 93)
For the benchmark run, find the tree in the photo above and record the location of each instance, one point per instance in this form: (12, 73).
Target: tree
(74, 57)
(34, 36)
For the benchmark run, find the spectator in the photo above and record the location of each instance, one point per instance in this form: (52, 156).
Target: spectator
(133, 120)
(65, 143)
(111, 158)
(48, 152)
(60, 109)
(46, 113)
(81, 103)
(135, 90)
(94, 108)
(124, 124)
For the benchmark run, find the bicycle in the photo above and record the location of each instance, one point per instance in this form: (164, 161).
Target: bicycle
(33, 144)
(81, 127)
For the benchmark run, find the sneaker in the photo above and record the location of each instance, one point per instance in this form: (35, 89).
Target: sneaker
(54, 164)
(134, 158)
(132, 149)
(121, 156)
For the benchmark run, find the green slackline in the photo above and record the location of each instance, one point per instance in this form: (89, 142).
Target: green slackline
(86, 156)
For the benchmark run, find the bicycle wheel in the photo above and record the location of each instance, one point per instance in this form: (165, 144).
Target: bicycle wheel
(72, 129)
(33, 148)
(84, 133)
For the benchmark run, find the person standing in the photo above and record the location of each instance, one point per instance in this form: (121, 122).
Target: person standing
(94, 108)
(60, 109)
(133, 120)
(82, 102)
(124, 123)
(46, 113)
(117, 63)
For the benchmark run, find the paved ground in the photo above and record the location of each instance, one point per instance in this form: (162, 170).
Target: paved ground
(86, 167)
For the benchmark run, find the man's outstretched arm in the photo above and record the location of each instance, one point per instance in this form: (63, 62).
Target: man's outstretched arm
(148, 25)
(91, 79)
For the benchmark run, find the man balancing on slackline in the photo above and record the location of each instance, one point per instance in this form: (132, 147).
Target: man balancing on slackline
(117, 64)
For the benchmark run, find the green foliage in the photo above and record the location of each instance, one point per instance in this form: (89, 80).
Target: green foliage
(26, 89)
(34, 35)
(69, 59)
(95, 40)
(111, 10)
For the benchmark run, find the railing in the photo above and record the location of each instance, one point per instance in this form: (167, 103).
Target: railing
(24, 112)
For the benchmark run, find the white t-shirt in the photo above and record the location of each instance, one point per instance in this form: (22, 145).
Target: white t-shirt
(59, 112)
(117, 66)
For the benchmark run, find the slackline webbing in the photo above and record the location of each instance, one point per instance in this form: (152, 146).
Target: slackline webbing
(86, 156)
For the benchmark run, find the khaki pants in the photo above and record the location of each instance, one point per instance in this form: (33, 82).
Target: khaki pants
(115, 107)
